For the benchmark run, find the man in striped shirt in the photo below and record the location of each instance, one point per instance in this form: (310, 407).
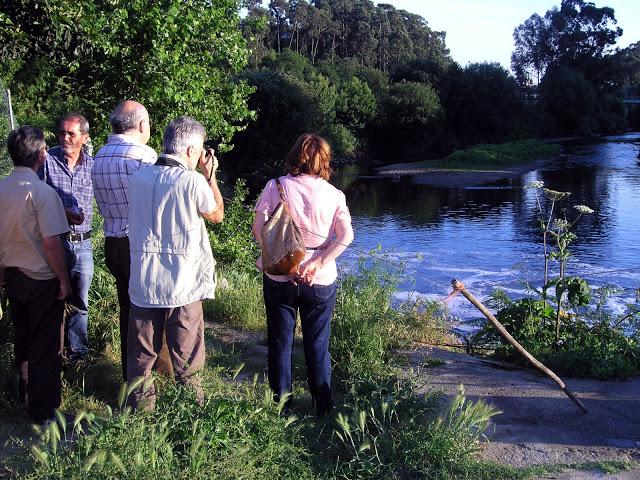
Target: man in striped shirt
(124, 154)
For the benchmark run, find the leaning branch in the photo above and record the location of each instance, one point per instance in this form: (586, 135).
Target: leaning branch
(459, 287)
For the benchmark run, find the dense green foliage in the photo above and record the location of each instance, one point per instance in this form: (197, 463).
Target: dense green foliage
(177, 58)
(597, 345)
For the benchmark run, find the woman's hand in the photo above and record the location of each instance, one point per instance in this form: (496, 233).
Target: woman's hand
(307, 274)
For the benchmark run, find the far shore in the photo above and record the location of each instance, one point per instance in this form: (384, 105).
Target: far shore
(455, 178)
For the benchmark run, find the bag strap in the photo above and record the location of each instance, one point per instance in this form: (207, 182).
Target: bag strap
(169, 162)
(281, 190)
(284, 200)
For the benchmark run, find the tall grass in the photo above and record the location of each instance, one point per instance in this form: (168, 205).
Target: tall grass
(386, 425)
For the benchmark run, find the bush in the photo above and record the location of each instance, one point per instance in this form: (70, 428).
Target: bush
(596, 345)
(232, 241)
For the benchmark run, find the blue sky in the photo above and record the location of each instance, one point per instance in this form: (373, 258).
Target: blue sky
(482, 30)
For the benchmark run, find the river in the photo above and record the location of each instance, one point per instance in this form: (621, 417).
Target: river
(489, 237)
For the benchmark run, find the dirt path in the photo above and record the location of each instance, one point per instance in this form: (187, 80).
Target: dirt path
(539, 423)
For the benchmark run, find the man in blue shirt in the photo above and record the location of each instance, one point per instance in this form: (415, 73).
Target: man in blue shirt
(68, 170)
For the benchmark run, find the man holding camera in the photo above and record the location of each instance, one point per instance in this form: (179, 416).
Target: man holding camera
(172, 266)
(68, 170)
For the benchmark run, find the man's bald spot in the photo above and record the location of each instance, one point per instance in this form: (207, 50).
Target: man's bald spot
(127, 116)
(130, 107)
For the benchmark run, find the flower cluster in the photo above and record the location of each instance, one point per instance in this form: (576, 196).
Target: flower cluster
(554, 195)
(534, 185)
(583, 209)
(560, 224)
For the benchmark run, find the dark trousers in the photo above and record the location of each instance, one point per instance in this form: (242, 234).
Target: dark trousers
(118, 260)
(37, 317)
(283, 300)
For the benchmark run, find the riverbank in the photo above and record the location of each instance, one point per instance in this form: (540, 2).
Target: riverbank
(449, 178)
(477, 165)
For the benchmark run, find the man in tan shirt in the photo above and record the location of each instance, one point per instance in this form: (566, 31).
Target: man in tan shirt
(33, 272)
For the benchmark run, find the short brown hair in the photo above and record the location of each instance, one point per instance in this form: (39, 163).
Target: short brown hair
(76, 117)
(311, 154)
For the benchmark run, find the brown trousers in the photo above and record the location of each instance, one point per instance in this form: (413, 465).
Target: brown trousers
(116, 256)
(184, 329)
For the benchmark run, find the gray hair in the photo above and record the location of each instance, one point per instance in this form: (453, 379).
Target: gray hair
(181, 133)
(76, 117)
(24, 145)
(124, 119)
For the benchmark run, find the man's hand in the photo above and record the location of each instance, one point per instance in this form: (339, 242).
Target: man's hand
(74, 218)
(208, 163)
(65, 290)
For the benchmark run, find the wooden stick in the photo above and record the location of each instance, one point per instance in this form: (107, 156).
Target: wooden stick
(458, 286)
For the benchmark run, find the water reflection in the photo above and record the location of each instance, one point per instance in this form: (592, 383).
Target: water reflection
(479, 235)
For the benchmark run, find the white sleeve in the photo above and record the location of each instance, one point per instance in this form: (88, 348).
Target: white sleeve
(204, 196)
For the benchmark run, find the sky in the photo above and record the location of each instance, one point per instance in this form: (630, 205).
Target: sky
(482, 30)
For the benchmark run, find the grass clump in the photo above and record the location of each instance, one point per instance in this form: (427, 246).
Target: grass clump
(482, 157)
(369, 323)
(239, 300)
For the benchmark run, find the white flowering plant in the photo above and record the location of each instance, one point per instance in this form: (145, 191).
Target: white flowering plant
(562, 330)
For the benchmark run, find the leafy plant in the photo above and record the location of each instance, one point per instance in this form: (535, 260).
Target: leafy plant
(232, 241)
(570, 337)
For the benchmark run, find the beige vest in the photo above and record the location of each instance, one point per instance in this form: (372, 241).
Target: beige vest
(171, 260)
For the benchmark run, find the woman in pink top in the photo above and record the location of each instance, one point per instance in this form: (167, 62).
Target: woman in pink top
(321, 212)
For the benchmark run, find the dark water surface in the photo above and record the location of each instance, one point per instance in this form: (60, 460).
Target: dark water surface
(489, 236)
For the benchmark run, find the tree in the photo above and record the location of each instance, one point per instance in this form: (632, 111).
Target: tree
(430, 72)
(287, 107)
(533, 50)
(572, 36)
(411, 117)
(483, 104)
(175, 57)
(569, 100)
(255, 30)
(628, 65)
(355, 105)
(291, 63)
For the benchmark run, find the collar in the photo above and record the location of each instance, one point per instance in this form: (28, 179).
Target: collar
(171, 159)
(122, 137)
(57, 154)
(25, 171)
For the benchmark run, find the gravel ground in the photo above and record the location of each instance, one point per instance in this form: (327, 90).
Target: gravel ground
(540, 424)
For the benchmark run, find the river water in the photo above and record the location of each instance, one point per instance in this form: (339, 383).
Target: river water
(489, 237)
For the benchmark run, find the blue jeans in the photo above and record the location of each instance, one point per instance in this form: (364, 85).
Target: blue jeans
(282, 301)
(79, 257)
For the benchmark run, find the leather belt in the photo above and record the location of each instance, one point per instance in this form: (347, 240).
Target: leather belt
(77, 237)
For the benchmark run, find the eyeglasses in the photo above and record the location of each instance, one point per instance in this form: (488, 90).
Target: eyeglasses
(67, 133)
